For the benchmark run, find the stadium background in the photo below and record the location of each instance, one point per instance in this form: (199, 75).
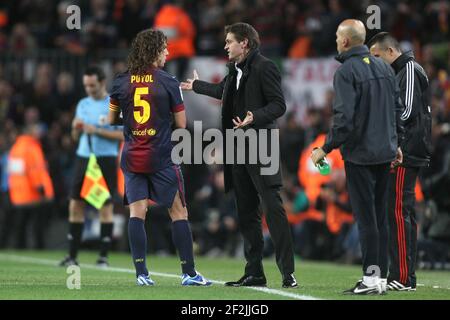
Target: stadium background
(41, 65)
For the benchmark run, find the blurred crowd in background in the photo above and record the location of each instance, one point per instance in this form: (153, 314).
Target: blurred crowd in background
(41, 64)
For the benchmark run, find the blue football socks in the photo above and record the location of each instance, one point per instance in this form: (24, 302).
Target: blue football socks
(182, 239)
(138, 244)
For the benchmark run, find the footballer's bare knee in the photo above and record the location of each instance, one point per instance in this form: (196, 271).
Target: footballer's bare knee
(178, 214)
(178, 211)
(138, 209)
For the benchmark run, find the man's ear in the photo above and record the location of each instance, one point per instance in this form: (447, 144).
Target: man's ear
(346, 42)
(391, 51)
(244, 43)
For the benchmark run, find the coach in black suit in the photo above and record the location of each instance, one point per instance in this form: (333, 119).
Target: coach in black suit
(252, 91)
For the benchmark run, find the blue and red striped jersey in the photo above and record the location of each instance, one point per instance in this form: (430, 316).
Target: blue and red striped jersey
(147, 103)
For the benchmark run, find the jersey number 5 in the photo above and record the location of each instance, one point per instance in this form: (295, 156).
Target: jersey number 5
(141, 116)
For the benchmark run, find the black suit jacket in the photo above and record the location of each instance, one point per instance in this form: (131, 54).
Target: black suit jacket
(259, 92)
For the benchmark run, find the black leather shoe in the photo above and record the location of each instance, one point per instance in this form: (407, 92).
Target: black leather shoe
(248, 281)
(289, 281)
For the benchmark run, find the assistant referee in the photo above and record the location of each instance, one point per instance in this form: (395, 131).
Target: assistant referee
(90, 128)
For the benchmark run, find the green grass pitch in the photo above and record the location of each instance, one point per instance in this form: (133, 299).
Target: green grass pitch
(34, 275)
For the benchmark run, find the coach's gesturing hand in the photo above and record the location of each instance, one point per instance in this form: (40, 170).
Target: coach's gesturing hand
(188, 84)
(238, 123)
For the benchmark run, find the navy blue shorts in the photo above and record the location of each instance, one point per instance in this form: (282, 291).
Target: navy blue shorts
(160, 186)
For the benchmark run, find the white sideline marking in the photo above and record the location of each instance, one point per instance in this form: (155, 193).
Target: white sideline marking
(23, 259)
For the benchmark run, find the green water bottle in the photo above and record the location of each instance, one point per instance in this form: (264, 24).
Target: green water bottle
(324, 167)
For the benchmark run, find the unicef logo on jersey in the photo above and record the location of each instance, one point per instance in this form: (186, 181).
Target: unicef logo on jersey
(144, 132)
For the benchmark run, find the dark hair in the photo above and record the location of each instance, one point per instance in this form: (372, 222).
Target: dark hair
(95, 71)
(145, 49)
(385, 41)
(242, 31)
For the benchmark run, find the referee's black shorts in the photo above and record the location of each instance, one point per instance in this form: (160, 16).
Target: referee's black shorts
(108, 165)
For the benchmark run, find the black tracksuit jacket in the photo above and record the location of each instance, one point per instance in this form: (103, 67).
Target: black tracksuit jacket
(416, 115)
(366, 109)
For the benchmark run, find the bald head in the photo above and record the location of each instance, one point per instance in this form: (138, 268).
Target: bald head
(354, 29)
(350, 33)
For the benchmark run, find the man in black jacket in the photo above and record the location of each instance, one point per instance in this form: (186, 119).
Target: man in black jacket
(416, 116)
(366, 127)
(252, 91)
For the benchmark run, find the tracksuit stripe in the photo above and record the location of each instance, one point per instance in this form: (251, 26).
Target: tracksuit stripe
(400, 217)
(402, 247)
(405, 252)
(397, 219)
(409, 95)
(400, 224)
